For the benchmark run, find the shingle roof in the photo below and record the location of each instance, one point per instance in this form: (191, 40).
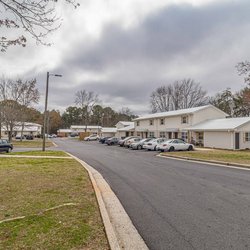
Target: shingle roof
(127, 128)
(220, 124)
(175, 112)
(109, 130)
(126, 123)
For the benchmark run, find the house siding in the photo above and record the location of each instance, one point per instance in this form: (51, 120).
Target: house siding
(219, 139)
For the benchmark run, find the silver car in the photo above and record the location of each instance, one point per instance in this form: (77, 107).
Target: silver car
(175, 144)
(139, 144)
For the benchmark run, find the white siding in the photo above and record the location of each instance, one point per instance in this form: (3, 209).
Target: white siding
(244, 144)
(207, 114)
(223, 140)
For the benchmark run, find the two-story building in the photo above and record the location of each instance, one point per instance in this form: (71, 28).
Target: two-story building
(174, 124)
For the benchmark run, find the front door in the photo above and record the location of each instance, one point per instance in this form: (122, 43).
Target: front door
(175, 135)
(169, 135)
(237, 140)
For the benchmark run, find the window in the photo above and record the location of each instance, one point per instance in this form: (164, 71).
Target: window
(138, 123)
(151, 122)
(162, 121)
(184, 119)
(162, 134)
(138, 134)
(247, 136)
(151, 134)
(200, 136)
(132, 133)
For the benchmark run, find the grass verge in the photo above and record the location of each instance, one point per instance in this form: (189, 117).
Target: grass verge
(41, 153)
(241, 157)
(37, 143)
(29, 187)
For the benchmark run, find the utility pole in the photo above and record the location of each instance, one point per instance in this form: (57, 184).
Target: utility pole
(46, 106)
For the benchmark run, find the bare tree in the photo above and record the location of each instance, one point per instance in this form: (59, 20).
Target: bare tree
(244, 69)
(179, 95)
(38, 18)
(16, 97)
(86, 101)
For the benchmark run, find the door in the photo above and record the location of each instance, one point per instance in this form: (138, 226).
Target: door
(237, 140)
(175, 135)
(169, 135)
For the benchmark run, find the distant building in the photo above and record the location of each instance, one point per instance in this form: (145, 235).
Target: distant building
(125, 129)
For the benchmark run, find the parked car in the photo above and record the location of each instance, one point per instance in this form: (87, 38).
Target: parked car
(92, 137)
(29, 137)
(175, 144)
(19, 137)
(103, 139)
(53, 136)
(112, 141)
(5, 146)
(152, 145)
(127, 143)
(122, 141)
(139, 144)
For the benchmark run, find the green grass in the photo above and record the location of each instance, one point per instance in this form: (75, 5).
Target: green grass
(242, 157)
(41, 153)
(29, 187)
(36, 143)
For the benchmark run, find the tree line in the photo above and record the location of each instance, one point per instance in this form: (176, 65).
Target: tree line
(18, 98)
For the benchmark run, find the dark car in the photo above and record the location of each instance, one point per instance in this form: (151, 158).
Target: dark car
(29, 137)
(103, 139)
(112, 141)
(5, 146)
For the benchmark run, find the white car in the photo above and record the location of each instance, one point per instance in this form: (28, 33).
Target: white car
(153, 144)
(93, 137)
(175, 144)
(128, 143)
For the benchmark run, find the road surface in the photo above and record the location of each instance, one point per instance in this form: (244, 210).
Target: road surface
(174, 204)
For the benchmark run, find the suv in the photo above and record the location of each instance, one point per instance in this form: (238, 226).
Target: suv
(93, 137)
(5, 146)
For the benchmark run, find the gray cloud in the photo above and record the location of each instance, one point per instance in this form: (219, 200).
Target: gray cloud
(178, 41)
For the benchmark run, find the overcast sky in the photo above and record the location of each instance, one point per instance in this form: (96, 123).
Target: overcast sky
(123, 50)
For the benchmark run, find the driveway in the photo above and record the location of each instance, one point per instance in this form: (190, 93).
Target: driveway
(174, 204)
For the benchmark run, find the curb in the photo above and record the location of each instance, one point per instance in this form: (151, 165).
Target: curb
(120, 230)
(206, 161)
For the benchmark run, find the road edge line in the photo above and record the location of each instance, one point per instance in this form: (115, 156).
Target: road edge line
(120, 231)
(208, 162)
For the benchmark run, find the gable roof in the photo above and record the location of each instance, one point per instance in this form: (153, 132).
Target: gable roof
(109, 130)
(220, 124)
(127, 128)
(177, 112)
(125, 123)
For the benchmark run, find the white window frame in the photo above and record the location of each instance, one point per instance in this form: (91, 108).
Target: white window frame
(162, 121)
(162, 134)
(151, 122)
(186, 119)
(151, 134)
(247, 136)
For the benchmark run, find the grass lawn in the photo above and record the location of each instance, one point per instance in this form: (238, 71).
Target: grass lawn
(242, 157)
(41, 153)
(36, 143)
(29, 187)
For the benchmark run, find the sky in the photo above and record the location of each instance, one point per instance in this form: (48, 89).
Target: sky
(123, 50)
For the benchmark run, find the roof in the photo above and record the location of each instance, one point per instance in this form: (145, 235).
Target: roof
(125, 123)
(109, 130)
(176, 112)
(64, 130)
(127, 128)
(84, 126)
(221, 124)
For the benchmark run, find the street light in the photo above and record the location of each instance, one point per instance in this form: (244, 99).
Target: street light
(46, 105)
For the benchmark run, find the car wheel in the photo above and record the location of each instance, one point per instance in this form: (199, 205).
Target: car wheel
(155, 148)
(171, 149)
(139, 147)
(190, 148)
(162, 150)
(8, 150)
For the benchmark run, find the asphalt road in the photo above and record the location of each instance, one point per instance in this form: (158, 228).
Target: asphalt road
(174, 204)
